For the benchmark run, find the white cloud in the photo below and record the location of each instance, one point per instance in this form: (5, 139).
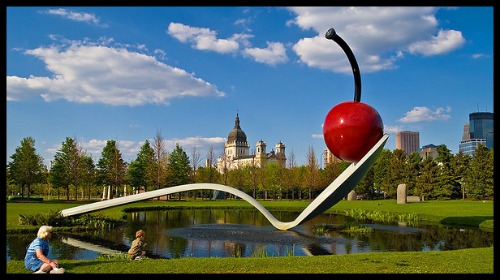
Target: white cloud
(444, 42)
(86, 72)
(274, 53)
(76, 16)
(378, 36)
(206, 39)
(392, 129)
(202, 38)
(479, 55)
(424, 114)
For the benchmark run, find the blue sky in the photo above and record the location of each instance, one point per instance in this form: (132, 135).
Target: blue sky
(126, 73)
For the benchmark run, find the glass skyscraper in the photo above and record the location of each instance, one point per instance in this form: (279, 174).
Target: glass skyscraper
(480, 131)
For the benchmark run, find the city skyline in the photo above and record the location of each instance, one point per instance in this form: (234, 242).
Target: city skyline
(125, 73)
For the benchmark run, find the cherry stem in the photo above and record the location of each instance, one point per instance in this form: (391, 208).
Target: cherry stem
(332, 35)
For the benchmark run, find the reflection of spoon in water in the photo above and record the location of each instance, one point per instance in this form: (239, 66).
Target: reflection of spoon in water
(337, 190)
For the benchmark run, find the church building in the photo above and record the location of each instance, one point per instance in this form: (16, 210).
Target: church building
(237, 151)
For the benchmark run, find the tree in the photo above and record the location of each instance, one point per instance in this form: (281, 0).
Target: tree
(413, 163)
(274, 178)
(210, 165)
(161, 160)
(479, 175)
(382, 180)
(195, 160)
(142, 170)
(26, 167)
(397, 173)
(179, 167)
(365, 186)
(312, 174)
(88, 173)
(12, 187)
(236, 178)
(460, 167)
(252, 171)
(427, 179)
(300, 174)
(447, 186)
(207, 174)
(111, 168)
(66, 170)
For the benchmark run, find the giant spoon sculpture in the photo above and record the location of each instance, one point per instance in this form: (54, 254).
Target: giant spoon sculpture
(353, 132)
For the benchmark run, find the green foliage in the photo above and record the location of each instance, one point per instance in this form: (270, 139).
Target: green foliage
(479, 182)
(52, 218)
(411, 219)
(179, 167)
(117, 256)
(141, 171)
(261, 253)
(82, 222)
(427, 180)
(111, 168)
(26, 167)
(20, 198)
(352, 227)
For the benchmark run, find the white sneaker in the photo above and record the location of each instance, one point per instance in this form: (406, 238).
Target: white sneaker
(57, 270)
(138, 258)
(39, 272)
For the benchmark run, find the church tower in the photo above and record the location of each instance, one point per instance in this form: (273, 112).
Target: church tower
(236, 145)
(280, 154)
(260, 149)
(280, 149)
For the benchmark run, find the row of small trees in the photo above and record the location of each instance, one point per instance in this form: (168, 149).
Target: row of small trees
(74, 174)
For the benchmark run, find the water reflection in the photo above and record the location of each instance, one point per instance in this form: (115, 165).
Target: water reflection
(244, 233)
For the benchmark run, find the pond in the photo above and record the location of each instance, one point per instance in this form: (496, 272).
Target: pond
(244, 233)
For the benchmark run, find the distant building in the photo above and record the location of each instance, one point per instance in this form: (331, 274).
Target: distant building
(466, 134)
(329, 157)
(428, 151)
(408, 141)
(469, 147)
(479, 130)
(237, 151)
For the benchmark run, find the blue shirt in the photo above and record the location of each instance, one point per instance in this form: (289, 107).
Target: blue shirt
(31, 261)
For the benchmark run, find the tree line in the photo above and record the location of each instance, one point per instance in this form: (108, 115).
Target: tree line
(73, 174)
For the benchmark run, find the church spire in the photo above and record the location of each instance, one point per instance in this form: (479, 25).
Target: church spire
(237, 122)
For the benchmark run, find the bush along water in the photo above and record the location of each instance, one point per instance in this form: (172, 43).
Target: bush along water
(351, 227)
(86, 222)
(410, 219)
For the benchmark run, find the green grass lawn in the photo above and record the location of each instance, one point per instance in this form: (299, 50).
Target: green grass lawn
(451, 212)
(465, 261)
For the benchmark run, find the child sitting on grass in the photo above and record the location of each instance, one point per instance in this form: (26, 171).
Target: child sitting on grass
(136, 250)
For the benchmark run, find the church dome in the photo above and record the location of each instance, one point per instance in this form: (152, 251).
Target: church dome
(237, 135)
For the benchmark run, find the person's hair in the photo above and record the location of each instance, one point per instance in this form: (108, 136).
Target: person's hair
(44, 231)
(139, 233)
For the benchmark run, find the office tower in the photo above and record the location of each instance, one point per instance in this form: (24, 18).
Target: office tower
(408, 141)
(479, 130)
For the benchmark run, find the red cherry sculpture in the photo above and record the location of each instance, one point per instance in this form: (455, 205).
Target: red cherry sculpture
(351, 128)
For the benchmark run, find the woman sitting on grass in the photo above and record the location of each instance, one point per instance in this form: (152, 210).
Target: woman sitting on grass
(36, 255)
